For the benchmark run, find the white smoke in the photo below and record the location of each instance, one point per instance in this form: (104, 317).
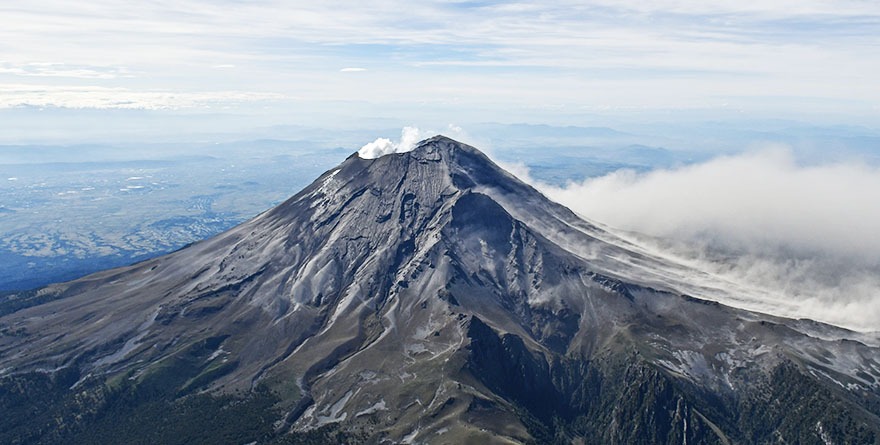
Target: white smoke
(808, 234)
(409, 138)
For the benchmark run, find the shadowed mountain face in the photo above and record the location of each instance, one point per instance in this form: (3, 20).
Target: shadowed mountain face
(423, 297)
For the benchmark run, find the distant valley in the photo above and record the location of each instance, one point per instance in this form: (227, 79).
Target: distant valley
(81, 213)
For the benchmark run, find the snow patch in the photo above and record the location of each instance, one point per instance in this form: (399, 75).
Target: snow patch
(414, 349)
(823, 434)
(130, 345)
(688, 364)
(378, 406)
(327, 181)
(216, 354)
(409, 438)
(334, 415)
(404, 376)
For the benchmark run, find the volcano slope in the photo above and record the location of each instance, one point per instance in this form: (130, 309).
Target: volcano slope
(421, 297)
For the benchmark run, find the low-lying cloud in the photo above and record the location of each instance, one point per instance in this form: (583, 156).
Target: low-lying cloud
(806, 234)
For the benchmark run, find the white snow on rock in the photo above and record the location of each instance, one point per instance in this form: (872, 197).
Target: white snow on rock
(378, 406)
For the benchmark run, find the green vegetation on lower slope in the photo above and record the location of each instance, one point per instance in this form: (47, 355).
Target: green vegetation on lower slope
(621, 398)
(613, 397)
(160, 406)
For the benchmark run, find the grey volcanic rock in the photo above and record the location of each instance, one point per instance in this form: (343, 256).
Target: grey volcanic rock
(424, 297)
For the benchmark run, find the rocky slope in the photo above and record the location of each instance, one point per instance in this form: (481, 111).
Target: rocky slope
(422, 297)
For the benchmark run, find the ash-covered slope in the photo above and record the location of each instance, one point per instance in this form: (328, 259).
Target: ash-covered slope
(427, 297)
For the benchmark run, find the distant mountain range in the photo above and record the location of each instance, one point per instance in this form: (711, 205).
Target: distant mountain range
(421, 297)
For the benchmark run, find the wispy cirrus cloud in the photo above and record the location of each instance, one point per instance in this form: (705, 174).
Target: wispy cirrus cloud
(53, 69)
(598, 53)
(67, 96)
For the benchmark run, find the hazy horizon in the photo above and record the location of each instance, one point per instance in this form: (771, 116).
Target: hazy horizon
(620, 110)
(229, 67)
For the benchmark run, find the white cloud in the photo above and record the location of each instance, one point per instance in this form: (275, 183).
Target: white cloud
(777, 8)
(352, 70)
(16, 95)
(762, 196)
(665, 54)
(409, 137)
(805, 236)
(52, 69)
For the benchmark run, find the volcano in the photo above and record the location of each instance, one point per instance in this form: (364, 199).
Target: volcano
(422, 297)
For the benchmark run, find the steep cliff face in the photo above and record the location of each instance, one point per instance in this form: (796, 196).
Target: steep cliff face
(426, 297)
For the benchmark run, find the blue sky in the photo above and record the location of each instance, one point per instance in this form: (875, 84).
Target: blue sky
(444, 60)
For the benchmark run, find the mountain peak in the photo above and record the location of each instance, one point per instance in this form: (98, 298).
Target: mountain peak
(430, 148)
(445, 148)
(441, 143)
(425, 296)
(437, 165)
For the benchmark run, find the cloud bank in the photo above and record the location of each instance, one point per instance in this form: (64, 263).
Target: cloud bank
(760, 197)
(807, 235)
